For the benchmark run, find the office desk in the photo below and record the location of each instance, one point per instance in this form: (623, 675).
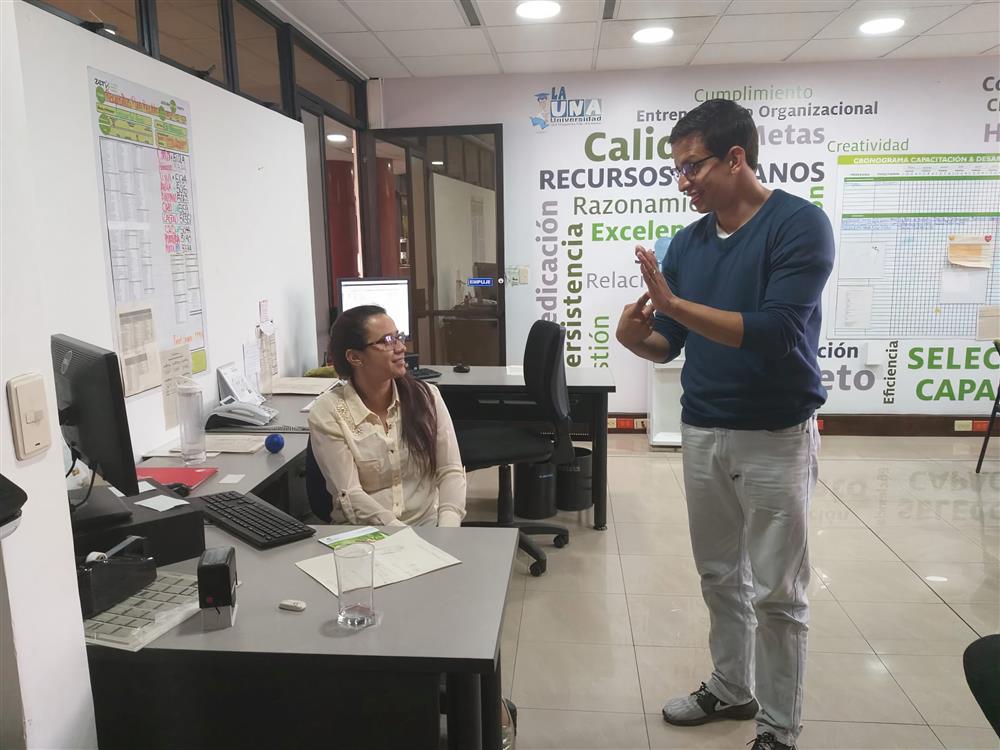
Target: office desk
(261, 467)
(497, 393)
(283, 679)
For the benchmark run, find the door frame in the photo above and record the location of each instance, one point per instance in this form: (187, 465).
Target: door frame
(397, 137)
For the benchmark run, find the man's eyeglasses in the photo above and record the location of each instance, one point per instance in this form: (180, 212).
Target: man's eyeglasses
(691, 168)
(390, 340)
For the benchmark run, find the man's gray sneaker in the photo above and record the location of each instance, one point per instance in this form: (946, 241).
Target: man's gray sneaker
(702, 707)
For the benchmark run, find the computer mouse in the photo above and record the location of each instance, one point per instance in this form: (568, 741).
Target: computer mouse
(179, 488)
(460, 368)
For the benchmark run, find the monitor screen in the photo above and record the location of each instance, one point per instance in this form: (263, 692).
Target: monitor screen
(392, 294)
(91, 403)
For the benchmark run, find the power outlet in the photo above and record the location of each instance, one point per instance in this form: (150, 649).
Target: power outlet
(980, 425)
(640, 424)
(612, 423)
(963, 425)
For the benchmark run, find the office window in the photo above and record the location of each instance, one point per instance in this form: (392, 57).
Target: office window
(453, 162)
(118, 13)
(316, 78)
(190, 35)
(257, 56)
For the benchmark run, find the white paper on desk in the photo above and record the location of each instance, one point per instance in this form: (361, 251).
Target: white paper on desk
(232, 479)
(161, 502)
(963, 286)
(402, 556)
(172, 451)
(224, 443)
(302, 386)
(854, 306)
(138, 354)
(175, 363)
(251, 363)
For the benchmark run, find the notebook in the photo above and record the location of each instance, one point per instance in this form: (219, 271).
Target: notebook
(192, 477)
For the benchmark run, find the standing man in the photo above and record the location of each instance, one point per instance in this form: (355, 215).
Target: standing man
(741, 289)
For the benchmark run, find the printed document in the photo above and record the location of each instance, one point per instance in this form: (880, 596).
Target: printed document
(402, 556)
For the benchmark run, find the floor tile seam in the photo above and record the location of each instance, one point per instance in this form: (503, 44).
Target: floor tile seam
(941, 597)
(879, 657)
(901, 688)
(635, 655)
(538, 642)
(581, 710)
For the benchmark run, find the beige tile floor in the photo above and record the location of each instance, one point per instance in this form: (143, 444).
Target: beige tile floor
(904, 548)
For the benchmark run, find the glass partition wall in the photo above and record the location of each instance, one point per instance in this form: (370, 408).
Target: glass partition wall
(440, 224)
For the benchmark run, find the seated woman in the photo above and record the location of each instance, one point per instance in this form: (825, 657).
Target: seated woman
(383, 440)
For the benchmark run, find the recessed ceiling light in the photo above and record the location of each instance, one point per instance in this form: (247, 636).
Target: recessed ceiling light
(337, 138)
(437, 163)
(537, 9)
(653, 35)
(936, 579)
(881, 25)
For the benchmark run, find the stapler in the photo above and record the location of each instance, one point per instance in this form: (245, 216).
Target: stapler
(106, 578)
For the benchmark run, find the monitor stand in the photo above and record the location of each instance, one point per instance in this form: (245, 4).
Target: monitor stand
(101, 510)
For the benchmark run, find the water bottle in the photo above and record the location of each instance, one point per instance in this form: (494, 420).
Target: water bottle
(192, 421)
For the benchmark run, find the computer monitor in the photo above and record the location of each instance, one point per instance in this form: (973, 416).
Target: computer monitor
(94, 424)
(392, 294)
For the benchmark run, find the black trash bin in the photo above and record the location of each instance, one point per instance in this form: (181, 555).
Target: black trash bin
(535, 490)
(574, 482)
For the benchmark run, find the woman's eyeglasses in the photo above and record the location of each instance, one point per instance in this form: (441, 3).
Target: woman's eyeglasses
(390, 340)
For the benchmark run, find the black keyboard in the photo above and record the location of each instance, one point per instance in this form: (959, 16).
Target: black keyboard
(261, 430)
(253, 520)
(424, 373)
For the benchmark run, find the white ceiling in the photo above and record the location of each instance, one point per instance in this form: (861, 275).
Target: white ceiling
(403, 38)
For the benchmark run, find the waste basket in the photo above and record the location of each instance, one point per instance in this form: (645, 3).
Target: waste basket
(535, 490)
(574, 482)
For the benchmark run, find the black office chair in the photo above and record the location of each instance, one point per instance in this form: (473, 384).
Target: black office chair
(320, 499)
(497, 444)
(993, 417)
(980, 661)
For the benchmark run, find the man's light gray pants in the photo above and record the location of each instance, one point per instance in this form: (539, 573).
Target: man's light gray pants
(748, 494)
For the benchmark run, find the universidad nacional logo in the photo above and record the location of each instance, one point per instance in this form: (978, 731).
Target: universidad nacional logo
(555, 108)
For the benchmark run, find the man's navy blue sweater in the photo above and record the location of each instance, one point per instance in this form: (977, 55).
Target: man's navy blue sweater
(772, 270)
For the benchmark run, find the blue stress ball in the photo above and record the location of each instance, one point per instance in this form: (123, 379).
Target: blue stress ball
(274, 443)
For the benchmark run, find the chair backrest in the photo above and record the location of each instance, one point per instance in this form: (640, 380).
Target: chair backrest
(545, 379)
(320, 499)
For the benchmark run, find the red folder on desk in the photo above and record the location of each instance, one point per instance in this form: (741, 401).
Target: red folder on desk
(167, 474)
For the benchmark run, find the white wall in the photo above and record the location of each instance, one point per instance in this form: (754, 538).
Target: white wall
(252, 221)
(931, 107)
(453, 235)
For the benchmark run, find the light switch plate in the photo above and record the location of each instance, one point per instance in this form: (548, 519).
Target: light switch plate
(29, 415)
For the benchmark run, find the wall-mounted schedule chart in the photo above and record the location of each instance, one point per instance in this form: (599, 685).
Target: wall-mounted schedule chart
(916, 253)
(144, 151)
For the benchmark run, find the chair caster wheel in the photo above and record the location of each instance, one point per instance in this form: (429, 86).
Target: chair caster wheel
(561, 540)
(537, 568)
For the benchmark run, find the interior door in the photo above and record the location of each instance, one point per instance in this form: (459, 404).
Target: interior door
(442, 211)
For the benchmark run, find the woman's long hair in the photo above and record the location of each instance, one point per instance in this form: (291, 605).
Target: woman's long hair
(350, 331)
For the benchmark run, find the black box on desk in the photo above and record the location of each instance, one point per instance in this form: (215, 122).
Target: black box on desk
(174, 535)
